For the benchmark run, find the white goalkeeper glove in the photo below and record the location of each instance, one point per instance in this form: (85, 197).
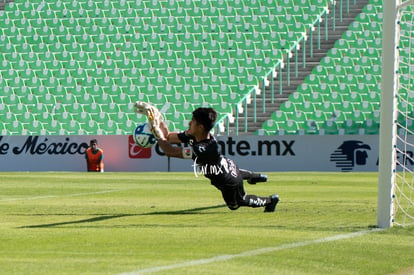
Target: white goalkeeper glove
(152, 113)
(156, 131)
(154, 117)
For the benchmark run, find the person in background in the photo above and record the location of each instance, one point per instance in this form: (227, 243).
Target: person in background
(94, 157)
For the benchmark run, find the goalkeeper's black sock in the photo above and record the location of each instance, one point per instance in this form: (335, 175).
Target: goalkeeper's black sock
(256, 201)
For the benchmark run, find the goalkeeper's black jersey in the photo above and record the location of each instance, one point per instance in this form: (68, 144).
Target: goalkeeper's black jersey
(210, 162)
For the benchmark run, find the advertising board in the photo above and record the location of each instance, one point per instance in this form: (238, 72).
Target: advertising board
(259, 153)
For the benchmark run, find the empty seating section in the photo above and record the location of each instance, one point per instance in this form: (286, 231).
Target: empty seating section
(345, 86)
(96, 57)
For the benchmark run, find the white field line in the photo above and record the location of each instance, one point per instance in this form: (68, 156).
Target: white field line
(249, 253)
(59, 196)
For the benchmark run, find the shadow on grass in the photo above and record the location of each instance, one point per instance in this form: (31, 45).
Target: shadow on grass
(109, 217)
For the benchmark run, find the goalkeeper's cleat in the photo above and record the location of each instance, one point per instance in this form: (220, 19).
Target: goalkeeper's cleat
(271, 206)
(257, 178)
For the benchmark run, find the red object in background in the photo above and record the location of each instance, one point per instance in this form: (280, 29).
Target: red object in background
(137, 152)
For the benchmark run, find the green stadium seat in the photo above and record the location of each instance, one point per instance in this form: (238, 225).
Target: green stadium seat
(279, 116)
(288, 107)
(354, 97)
(308, 107)
(35, 128)
(88, 128)
(350, 127)
(338, 116)
(186, 107)
(13, 99)
(271, 126)
(290, 127)
(326, 107)
(298, 116)
(91, 108)
(3, 108)
(3, 128)
(224, 108)
(329, 127)
(319, 116)
(62, 116)
(111, 108)
(370, 127)
(177, 98)
(16, 128)
(39, 108)
(108, 127)
(47, 98)
(72, 128)
(82, 117)
(308, 128)
(374, 98)
(7, 117)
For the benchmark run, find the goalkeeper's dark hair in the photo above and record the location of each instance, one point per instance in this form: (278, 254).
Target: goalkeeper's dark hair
(205, 116)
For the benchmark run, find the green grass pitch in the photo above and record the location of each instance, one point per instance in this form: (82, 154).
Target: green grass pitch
(176, 223)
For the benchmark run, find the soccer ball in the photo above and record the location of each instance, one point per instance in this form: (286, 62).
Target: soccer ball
(143, 136)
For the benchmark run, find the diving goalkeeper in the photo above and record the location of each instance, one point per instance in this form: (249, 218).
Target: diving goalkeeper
(204, 150)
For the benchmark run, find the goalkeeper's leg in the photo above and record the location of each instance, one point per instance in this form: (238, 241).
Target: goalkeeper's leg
(235, 196)
(252, 177)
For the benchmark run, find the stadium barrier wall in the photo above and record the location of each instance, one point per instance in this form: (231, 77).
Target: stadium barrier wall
(259, 153)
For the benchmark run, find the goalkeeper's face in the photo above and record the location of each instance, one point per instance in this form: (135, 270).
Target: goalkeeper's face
(195, 128)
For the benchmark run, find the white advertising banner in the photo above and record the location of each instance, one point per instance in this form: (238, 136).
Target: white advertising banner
(258, 153)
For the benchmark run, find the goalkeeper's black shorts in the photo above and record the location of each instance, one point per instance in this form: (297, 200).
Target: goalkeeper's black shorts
(232, 190)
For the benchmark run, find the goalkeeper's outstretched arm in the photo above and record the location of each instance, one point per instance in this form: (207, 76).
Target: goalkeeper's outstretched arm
(159, 129)
(170, 150)
(169, 138)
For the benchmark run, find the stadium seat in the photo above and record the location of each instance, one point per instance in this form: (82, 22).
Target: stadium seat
(288, 107)
(279, 116)
(271, 126)
(35, 128)
(308, 127)
(350, 127)
(16, 128)
(108, 127)
(89, 43)
(291, 127)
(329, 127)
(72, 128)
(370, 127)
(298, 116)
(89, 128)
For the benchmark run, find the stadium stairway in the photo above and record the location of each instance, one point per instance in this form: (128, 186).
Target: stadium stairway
(3, 3)
(337, 25)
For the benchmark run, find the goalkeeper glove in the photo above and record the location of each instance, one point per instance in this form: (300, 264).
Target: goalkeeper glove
(153, 114)
(156, 131)
(154, 117)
